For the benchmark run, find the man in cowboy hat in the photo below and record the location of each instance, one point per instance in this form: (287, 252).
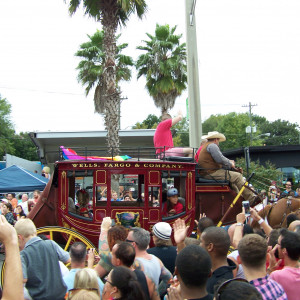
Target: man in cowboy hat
(218, 167)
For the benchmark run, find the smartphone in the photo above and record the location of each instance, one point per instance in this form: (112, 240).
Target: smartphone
(246, 206)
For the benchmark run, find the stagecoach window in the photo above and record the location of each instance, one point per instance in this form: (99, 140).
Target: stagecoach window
(101, 195)
(154, 196)
(127, 190)
(80, 198)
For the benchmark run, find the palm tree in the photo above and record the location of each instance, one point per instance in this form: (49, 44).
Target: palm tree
(164, 66)
(110, 13)
(91, 67)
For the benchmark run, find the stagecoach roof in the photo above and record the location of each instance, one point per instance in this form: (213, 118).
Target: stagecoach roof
(48, 143)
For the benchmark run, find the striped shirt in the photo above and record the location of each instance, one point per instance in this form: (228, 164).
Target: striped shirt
(269, 289)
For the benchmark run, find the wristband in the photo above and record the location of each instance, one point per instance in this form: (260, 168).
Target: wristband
(260, 221)
(239, 224)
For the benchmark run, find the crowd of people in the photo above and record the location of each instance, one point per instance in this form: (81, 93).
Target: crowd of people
(14, 209)
(231, 262)
(238, 261)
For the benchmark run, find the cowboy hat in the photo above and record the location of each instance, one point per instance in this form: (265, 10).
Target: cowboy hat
(214, 135)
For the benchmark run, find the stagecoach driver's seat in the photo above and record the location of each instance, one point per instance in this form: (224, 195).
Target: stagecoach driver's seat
(216, 165)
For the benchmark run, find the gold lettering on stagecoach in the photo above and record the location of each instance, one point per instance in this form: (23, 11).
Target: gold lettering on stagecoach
(127, 165)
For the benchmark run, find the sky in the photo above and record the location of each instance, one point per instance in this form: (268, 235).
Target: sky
(248, 51)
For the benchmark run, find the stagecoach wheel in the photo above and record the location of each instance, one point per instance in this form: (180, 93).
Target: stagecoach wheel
(70, 236)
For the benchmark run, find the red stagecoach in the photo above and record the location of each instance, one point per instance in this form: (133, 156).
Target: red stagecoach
(145, 180)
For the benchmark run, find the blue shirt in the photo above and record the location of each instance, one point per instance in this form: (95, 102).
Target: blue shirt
(70, 278)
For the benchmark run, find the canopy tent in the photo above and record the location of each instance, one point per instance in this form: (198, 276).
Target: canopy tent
(17, 179)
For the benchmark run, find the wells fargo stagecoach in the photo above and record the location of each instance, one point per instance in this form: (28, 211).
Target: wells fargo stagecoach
(141, 175)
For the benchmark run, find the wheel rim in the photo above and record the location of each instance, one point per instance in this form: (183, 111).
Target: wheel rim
(69, 235)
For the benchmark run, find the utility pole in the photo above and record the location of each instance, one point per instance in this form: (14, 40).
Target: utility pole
(195, 124)
(250, 117)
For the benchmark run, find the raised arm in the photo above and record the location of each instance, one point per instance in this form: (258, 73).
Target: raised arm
(180, 233)
(104, 265)
(13, 279)
(266, 227)
(178, 118)
(238, 230)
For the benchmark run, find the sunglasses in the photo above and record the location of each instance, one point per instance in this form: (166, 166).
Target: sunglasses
(79, 289)
(130, 241)
(106, 280)
(222, 287)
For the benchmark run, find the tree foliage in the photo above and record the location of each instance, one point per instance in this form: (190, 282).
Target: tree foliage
(11, 143)
(6, 128)
(233, 126)
(281, 132)
(149, 123)
(180, 131)
(164, 66)
(111, 14)
(264, 174)
(24, 147)
(91, 67)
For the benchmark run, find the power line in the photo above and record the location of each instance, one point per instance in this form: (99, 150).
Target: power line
(33, 90)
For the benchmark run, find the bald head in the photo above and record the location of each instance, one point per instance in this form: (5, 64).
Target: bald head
(293, 225)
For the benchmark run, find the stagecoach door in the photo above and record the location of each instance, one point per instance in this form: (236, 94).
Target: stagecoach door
(121, 194)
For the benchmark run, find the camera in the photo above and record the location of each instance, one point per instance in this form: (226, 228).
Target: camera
(246, 206)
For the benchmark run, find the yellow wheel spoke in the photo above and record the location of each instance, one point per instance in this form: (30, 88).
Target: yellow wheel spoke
(68, 242)
(67, 233)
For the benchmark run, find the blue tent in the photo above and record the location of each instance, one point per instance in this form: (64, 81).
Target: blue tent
(17, 179)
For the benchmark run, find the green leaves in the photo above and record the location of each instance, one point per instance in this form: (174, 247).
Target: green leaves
(164, 66)
(233, 126)
(264, 174)
(10, 142)
(91, 67)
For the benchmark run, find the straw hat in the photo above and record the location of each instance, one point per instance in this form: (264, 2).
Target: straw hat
(214, 135)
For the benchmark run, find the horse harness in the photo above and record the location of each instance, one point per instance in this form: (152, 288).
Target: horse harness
(288, 207)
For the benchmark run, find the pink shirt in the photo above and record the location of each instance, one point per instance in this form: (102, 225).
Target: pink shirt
(163, 136)
(289, 278)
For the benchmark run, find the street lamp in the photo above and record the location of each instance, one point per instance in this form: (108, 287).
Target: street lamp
(263, 134)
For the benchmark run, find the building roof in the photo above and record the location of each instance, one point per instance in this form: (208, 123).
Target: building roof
(48, 143)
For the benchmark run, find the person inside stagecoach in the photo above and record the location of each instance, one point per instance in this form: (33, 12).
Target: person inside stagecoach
(114, 196)
(83, 198)
(173, 206)
(154, 200)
